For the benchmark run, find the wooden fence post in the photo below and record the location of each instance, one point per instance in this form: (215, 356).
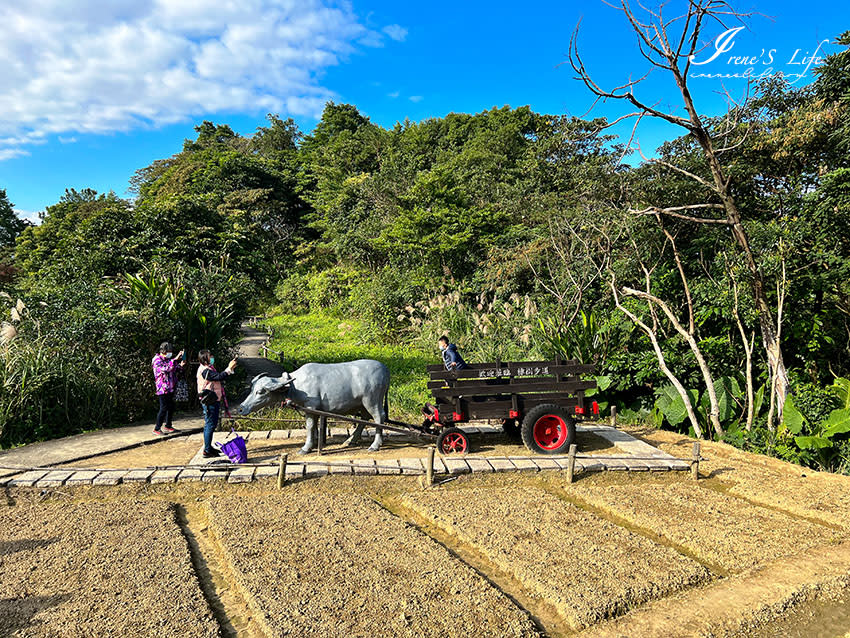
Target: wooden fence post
(281, 470)
(695, 462)
(429, 467)
(321, 434)
(571, 463)
(613, 416)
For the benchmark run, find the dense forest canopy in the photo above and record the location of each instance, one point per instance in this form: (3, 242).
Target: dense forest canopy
(521, 233)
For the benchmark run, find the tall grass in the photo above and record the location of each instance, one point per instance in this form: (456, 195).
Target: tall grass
(67, 370)
(47, 392)
(485, 327)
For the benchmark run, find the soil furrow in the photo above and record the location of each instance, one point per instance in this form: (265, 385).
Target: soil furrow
(544, 616)
(744, 604)
(586, 567)
(562, 494)
(717, 528)
(223, 595)
(728, 489)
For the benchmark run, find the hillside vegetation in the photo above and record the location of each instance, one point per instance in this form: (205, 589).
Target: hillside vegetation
(521, 235)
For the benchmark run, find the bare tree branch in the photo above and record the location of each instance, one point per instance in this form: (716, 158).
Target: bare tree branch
(662, 363)
(714, 412)
(678, 169)
(672, 212)
(681, 268)
(748, 352)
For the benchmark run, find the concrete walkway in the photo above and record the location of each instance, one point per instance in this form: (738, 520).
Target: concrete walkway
(633, 456)
(250, 357)
(83, 446)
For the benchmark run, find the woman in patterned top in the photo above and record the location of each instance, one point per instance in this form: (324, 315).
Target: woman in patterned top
(165, 367)
(211, 392)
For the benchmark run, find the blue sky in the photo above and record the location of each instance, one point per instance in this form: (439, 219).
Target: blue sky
(94, 94)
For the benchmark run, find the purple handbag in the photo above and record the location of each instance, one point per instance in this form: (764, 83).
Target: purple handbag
(234, 449)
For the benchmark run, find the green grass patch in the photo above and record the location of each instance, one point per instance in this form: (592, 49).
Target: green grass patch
(322, 338)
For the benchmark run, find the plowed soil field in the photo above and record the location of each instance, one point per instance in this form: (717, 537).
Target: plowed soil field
(587, 567)
(344, 566)
(98, 569)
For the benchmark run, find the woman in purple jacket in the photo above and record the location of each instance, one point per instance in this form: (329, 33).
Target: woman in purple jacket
(165, 367)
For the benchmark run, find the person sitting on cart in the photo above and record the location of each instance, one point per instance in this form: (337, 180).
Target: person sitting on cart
(451, 357)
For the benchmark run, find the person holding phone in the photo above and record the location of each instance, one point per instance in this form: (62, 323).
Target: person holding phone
(210, 394)
(165, 366)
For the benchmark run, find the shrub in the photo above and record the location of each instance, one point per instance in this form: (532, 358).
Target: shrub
(48, 391)
(317, 291)
(814, 402)
(379, 299)
(79, 357)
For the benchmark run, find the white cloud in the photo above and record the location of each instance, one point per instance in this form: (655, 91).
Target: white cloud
(396, 32)
(415, 98)
(30, 216)
(97, 67)
(9, 153)
(393, 95)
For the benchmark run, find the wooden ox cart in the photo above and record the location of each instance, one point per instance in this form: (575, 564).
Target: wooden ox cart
(538, 400)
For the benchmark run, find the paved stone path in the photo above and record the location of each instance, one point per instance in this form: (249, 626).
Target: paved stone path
(83, 446)
(250, 357)
(636, 456)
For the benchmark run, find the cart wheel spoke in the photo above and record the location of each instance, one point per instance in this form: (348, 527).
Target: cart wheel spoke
(453, 440)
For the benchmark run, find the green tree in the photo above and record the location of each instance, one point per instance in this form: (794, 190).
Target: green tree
(10, 224)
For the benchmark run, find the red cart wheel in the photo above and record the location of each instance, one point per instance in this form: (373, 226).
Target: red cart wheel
(453, 440)
(550, 432)
(548, 429)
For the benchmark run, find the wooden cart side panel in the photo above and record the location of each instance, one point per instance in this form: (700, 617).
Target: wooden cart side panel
(506, 364)
(513, 382)
(564, 387)
(498, 409)
(567, 374)
(529, 369)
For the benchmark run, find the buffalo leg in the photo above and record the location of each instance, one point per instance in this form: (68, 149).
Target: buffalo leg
(311, 435)
(378, 416)
(354, 439)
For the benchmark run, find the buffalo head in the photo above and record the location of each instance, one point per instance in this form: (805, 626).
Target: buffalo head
(265, 390)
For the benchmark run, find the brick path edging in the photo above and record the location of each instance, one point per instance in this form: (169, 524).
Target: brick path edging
(315, 468)
(648, 458)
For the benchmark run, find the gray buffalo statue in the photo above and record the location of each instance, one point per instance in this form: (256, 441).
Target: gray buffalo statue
(352, 387)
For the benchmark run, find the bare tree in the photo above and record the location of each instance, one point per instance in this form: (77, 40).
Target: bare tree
(652, 333)
(775, 405)
(714, 410)
(670, 45)
(573, 261)
(688, 334)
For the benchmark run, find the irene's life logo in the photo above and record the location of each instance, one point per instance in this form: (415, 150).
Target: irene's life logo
(754, 67)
